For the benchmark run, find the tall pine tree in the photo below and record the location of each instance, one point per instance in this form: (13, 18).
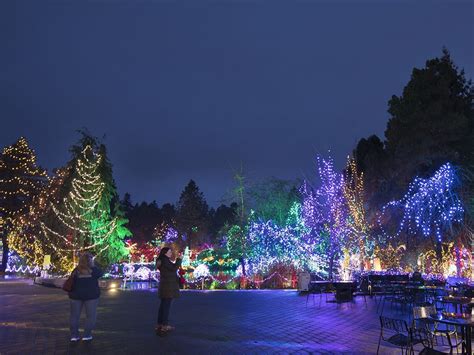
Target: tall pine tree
(20, 181)
(192, 217)
(89, 217)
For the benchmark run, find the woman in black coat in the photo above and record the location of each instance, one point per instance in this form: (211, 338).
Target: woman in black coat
(85, 294)
(168, 289)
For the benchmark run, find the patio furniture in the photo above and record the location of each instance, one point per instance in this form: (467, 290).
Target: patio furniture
(428, 341)
(422, 320)
(465, 324)
(395, 332)
(464, 303)
(391, 293)
(316, 288)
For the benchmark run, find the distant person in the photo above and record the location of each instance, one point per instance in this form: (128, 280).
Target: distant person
(85, 293)
(417, 277)
(168, 289)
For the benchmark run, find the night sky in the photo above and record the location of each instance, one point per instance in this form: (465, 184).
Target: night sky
(192, 89)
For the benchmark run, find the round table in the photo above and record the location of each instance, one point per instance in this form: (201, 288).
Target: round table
(466, 325)
(455, 300)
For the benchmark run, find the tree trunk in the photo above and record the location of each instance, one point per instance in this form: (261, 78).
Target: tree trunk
(362, 254)
(242, 262)
(243, 278)
(5, 253)
(331, 265)
(458, 250)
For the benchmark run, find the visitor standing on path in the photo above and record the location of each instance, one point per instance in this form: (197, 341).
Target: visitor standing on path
(168, 289)
(85, 293)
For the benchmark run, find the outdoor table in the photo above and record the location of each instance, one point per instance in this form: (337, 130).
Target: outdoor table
(466, 325)
(461, 301)
(343, 288)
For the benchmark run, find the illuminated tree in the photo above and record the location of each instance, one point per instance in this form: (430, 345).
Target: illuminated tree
(20, 181)
(325, 212)
(431, 206)
(354, 196)
(290, 244)
(165, 234)
(26, 237)
(88, 217)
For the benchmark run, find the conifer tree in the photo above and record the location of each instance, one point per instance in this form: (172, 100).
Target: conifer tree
(88, 217)
(21, 179)
(192, 216)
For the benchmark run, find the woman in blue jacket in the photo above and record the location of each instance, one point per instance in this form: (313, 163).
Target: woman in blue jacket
(85, 293)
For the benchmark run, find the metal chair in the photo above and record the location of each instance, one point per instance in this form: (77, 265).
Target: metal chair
(315, 290)
(395, 332)
(428, 341)
(421, 320)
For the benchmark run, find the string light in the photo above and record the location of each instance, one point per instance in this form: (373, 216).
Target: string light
(80, 221)
(430, 205)
(354, 197)
(325, 212)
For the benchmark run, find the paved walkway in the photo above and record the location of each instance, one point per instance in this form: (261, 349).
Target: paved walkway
(34, 320)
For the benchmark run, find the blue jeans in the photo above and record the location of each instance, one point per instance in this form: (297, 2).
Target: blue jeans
(91, 315)
(164, 311)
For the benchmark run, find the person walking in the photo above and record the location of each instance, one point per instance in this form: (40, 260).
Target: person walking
(168, 289)
(85, 294)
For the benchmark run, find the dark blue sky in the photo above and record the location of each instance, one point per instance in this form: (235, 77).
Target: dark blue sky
(191, 89)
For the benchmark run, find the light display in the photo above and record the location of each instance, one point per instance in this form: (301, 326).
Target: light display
(354, 197)
(83, 220)
(325, 212)
(430, 205)
(390, 256)
(201, 271)
(165, 234)
(21, 180)
(186, 258)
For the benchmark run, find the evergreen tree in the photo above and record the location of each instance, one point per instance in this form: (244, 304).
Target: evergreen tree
(143, 218)
(223, 215)
(21, 180)
(168, 214)
(26, 238)
(89, 216)
(127, 204)
(371, 160)
(432, 122)
(192, 215)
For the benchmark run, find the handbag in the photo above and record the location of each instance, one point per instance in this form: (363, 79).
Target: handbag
(69, 283)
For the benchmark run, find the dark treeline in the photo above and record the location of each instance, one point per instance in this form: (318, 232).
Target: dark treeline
(190, 216)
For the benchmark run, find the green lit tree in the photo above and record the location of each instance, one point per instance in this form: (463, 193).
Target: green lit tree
(89, 216)
(273, 198)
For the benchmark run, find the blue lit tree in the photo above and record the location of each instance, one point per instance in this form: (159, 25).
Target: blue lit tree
(325, 211)
(431, 206)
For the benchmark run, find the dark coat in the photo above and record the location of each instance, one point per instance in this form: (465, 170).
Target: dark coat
(86, 288)
(169, 282)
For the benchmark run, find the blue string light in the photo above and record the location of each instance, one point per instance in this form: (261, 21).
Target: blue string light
(430, 205)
